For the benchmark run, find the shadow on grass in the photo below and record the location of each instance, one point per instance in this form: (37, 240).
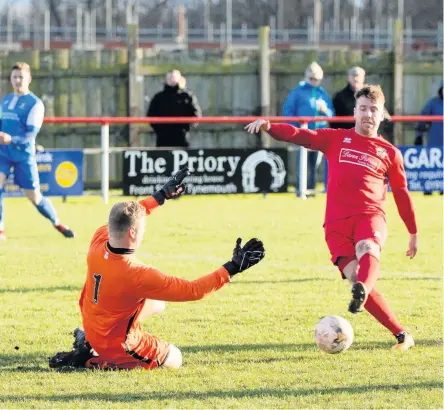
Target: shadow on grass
(277, 281)
(30, 363)
(410, 278)
(23, 362)
(38, 362)
(372, 345)
(26, 369)
(66, 288)
(387, 345)
(224, 394)
(246, 347)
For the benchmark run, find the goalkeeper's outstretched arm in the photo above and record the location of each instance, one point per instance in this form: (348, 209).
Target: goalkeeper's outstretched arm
(173, 188)
(153, 284)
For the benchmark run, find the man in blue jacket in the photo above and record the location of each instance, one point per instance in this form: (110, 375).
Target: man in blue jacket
(309, 98)
(434, 106)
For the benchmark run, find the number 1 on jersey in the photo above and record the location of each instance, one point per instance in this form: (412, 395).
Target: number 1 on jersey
(97, 279)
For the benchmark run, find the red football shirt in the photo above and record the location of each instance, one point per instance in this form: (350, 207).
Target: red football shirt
(359, 168)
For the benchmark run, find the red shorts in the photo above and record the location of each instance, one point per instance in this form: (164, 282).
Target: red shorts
(343, 234)
(139, 350)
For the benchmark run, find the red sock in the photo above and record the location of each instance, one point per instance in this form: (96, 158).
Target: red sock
(378, 307)
(368, 271)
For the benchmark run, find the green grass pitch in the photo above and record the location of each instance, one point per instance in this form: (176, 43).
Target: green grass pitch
(249, 345)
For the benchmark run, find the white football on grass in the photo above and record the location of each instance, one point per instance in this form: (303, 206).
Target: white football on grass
(334, 334)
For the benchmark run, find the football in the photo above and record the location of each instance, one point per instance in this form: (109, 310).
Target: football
(334, 334)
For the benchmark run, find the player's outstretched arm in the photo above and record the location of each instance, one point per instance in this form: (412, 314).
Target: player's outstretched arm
(153, 284)
(258, 125)
(398, 182)
(404, 204)
(173, 188)
(245, 257)
(413, 245)
(288, 133)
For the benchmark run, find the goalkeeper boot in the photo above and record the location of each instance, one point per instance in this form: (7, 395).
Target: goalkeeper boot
(359, 297)
(77, 357)
(74, 358)
(2, 236)
(65, 230)
(81, 344)
(79, 339)
(405, 341)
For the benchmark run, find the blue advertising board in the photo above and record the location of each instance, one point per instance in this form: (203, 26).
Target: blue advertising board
(60, 172)
(423, 167)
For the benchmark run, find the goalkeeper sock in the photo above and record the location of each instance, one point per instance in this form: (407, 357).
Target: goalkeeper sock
(368, 270)
(46, 208)
(378, 307)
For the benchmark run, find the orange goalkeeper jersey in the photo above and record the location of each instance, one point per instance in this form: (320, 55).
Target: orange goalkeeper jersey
(117, 285)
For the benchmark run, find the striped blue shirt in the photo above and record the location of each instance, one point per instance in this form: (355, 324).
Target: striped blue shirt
(21, 116)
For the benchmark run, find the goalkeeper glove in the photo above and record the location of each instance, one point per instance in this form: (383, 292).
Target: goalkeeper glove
(243, 258)
(173, 188)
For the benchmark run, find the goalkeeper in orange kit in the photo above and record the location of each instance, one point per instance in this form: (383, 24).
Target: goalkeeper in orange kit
(120, 290)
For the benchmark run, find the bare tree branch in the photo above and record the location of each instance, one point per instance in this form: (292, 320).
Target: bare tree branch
(425, 14)
(55, 14)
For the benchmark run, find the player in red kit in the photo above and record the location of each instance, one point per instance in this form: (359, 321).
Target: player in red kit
(360, 166)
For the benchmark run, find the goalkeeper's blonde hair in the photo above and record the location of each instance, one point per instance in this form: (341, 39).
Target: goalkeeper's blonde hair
(123, 216)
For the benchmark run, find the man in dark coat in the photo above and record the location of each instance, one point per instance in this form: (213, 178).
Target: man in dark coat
(173, 101)
(344, 100)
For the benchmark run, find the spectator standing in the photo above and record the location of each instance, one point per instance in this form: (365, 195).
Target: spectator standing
(434, 129)
(173, 101)
(344, 100)
(309, 98)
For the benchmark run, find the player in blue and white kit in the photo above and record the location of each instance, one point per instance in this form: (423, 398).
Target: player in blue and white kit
(21, 117)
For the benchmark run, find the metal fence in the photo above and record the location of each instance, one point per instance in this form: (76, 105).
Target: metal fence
(89, 36)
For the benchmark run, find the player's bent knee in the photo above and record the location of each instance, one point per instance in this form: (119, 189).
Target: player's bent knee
(152, 307)
(351, 271)
(158, 306)
(348, 266)
(174, 359)
(367, 246)
(3, 179)
(34, 195)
